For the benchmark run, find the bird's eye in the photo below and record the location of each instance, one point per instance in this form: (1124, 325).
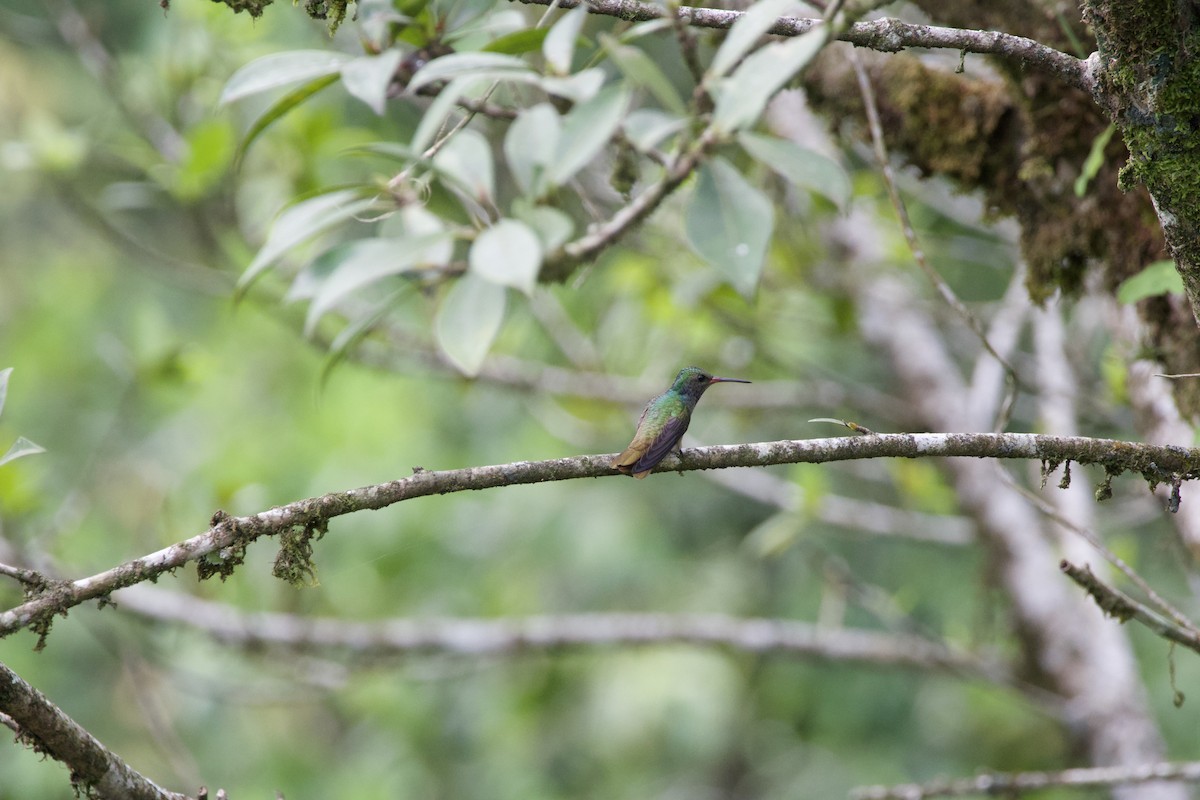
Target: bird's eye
(701, 378)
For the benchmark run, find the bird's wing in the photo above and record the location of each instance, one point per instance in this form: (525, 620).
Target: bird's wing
(630, 455)
(663, 444)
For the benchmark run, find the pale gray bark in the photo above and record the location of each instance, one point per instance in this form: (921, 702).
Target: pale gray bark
(1068, 645)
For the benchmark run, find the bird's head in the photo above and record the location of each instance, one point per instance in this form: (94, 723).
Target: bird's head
(692, 381)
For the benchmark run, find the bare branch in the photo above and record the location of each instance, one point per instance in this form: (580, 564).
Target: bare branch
(1119, 605)
(1013, 783)
(45, 727)
(854, 514)
(885, 35)
(28, 577)
(228, 536)
(486, 637)
(1092, 539)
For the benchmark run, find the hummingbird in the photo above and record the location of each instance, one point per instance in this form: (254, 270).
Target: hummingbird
(664, 421)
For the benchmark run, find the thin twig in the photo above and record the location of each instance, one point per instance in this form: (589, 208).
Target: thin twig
(228, 536)
(914, 245)
(1112, 558)
(886, 35)
(987, 392)
(558, 264)
(401, 177)
(687, 46)
(28, 577)
(1009, 784)
(1121, 606)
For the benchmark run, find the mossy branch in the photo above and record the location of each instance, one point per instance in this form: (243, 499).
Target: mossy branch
(95, 770)
(1123, 608)
(218, 549)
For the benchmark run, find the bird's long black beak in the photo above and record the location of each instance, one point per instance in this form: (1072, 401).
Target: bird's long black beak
(726, 380)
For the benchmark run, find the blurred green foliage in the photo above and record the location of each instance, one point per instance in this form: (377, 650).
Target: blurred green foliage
(160, 399)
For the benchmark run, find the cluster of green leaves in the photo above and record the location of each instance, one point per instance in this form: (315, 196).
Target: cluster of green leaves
(482, 200)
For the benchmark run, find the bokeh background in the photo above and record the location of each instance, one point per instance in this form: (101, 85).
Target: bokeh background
(161, 397)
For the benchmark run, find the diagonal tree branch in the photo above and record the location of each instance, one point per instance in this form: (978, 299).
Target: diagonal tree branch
(1119, 605)
(227, 537)
(885, 35)
(95, 770)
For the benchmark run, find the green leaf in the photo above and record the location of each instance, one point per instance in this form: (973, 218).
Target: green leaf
(468, 321)
(587, 128)
(278, 109)
(487, 24)
(553, 227)
(412, 221)
(729, 224)
(742, 97)
(20, 448)
(578, 88)
(805, 168)
(302, 222)
(355, 265)
(517, 42)
(369, 77)
(457, 65)
(1160, 277)
(508, 254)
(281, 69)
(646, 128)
(467, 157)
(394, 151)
(530, 145)
(745, 33)
(647, 28)
(1094, 160)
(641, 70)
(440, 108)
(559, 45)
